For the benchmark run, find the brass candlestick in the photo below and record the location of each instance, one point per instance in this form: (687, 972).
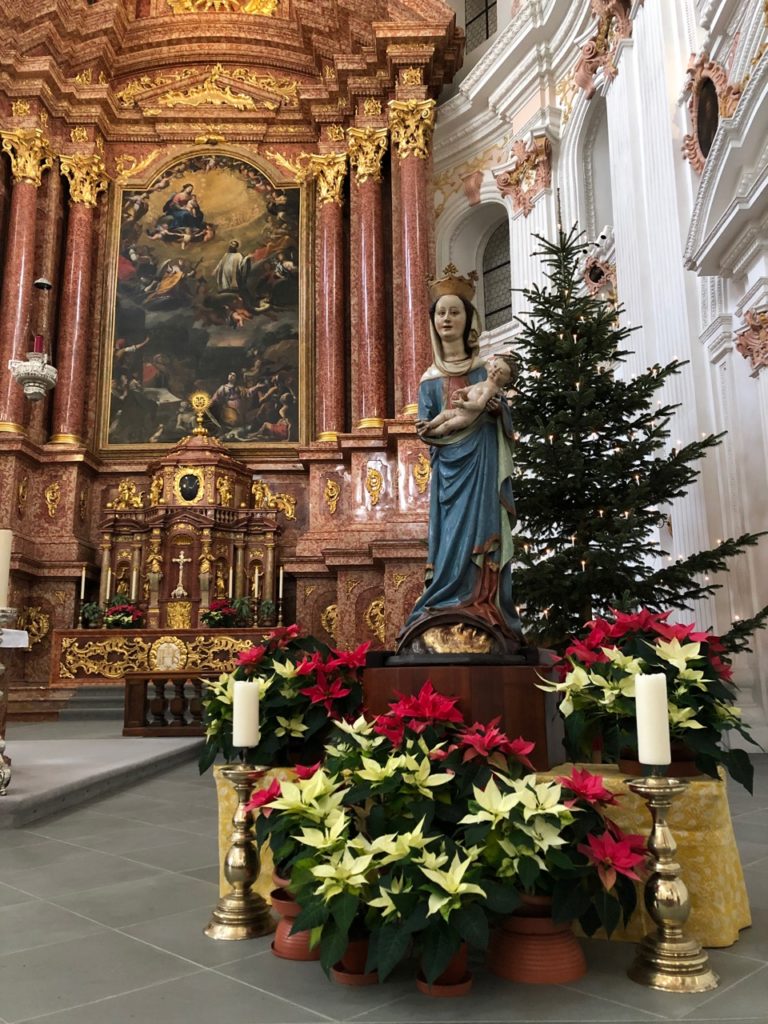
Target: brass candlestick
(667, 959)
(241, 914)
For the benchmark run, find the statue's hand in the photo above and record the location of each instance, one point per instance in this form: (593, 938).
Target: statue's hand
(493, 406)
(421, 426)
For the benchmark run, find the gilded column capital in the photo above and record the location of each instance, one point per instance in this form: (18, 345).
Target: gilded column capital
(367, 147)
(87, 176)
(328, 170)
(411, 123)
(30, 153)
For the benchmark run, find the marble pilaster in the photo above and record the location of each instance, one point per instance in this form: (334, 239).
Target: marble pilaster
(411, 123)
(369, 357)
(87, 178)
(30, 156)
(329, 170)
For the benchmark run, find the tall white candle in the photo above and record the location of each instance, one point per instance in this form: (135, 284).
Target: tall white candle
(6, 541)
(256, 583)
(231, 578)
(652, 719)
(82, 584)
(280, 583)
(109, 583)
(245, 713)
(134, 583)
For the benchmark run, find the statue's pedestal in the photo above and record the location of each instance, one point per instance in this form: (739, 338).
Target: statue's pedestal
(485, 691)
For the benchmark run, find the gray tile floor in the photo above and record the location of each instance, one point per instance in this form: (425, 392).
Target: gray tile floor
(102, 910)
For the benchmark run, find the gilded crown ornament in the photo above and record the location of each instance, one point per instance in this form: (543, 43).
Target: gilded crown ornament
(452, 283)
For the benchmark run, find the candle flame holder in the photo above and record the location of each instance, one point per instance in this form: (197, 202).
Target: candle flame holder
(667, 959)
(241, 914)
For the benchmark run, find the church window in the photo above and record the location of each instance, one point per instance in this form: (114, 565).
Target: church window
(479, 21)
(496, 278)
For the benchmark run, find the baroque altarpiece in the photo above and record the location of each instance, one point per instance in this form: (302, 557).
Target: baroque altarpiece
(235, 200)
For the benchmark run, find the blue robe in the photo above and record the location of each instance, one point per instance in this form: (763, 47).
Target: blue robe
(471, 513)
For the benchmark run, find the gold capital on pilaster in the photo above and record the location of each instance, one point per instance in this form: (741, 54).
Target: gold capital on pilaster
(367, 147)
(411, 123)
(30, 153)
(87, 176)
(328, 170)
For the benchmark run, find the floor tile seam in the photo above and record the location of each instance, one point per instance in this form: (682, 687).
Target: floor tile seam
(111, 927)
(732, 952)
(722, 990)
(162, 949)
(273, 995)
(650, 1014)
(103, 999)
(78, 847)
(149, 849)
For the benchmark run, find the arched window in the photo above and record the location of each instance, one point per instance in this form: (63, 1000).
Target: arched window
(479, 21)
(496, 278)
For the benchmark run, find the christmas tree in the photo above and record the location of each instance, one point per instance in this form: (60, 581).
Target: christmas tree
(595, 476)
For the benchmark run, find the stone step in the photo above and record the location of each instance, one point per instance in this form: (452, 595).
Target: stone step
(94, 702)
(36, 703)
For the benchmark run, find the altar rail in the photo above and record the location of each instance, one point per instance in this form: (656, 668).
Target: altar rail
(163, 704)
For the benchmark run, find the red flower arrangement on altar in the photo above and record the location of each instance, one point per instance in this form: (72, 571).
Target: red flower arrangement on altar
(123, 616)
(304, 686)
(597, 690)
(220, 614)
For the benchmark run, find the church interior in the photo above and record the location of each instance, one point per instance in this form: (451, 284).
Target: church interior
(218, 219)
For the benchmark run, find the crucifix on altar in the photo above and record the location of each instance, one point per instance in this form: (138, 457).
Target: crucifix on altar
(181, 561)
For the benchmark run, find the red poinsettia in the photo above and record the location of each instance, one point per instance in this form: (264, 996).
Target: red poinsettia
(392, 728)
(264, 796)
(484, 740)
(349, 659)
(586, 787)
(249, 660)
(428, 706)
(281, 636)
(611, 856)
(326, 693)
(306, 771)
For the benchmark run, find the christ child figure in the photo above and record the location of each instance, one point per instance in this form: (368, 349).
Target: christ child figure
(470, 402)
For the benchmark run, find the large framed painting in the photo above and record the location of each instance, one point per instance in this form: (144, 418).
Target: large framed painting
(207, 289)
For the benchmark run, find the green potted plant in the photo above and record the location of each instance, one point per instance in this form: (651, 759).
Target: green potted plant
(597, 693)
(221, 614)
(92, 614)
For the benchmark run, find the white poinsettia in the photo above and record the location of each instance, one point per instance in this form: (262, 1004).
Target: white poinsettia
(313, 799)
(287, 670)
(400, 845)
(692, 676)
(451, 886)
(545, 834)
(538, 798)
(677, 654)
(419, 774)
(346, 872)
(223, 689)
(513, 854)
(263, 683)
(683, 718)
(726, 713)
(361, 733)
(434, 859)
(326, 838)
(384, 901)
(290, 726)
(372, 771)
(630, 665)
(493, 805)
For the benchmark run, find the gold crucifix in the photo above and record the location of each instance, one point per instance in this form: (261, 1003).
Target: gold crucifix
(181, 561)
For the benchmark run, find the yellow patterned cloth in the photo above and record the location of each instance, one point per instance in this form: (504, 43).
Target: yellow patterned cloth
(700, 822)
(227, 797)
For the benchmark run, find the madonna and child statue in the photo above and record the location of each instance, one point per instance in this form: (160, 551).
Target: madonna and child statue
(467, 609)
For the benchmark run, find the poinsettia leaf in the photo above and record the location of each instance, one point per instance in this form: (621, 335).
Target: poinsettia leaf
(416, 920)
(344, 909)
(608, 911)
(502, 899)
(310, 916)
(569, 901)
(527, 871)
(739, 767)
(438, 945)
(333, 943)
(208, 754)
(472, 923)
(393, 941)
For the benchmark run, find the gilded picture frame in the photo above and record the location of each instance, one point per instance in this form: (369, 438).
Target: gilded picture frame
(209, 286)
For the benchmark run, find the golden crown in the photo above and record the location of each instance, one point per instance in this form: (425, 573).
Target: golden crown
(452, 283)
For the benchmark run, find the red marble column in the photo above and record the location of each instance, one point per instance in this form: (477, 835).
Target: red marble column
(411, 123)
(329, 170)
(369, 344)
(86, 179)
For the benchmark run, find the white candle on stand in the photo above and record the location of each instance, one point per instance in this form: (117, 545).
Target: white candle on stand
(231, 576)
(245, 713)
(652, 719)
(256, 583)
(82, 584)
(280, 583)
(109, 583)
(6, 541)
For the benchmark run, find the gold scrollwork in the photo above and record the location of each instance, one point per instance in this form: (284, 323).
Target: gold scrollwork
(367, 147)
(263, 498)
(335, 132)
(87, 176)
(331, 494)
(37, 623)
(265, 8)
(309, 589)
(457, 639)
(329, 620)
(168, 654)
(185, 471)
(30, 153)
(20, 108)
(79, 134)
(178, 614)
(411, 123)
(421, 472)
(375, 619)
(52, 494)
(411, 76)
(127, 165)
(85, 77)
(112, 657)
(210, 91)
(329, 171)
(128, 496)
(371, 107)
(399, 578)
(352, 582)
(374, 483)
(22, 492)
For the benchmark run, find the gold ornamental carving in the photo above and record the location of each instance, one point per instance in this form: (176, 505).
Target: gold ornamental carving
(127, 165)
(87, 176)
(329, 171)
(331, 494)
(22, 493)
(175, 89)
(224, 491)
(168, 654)
(411, 76)
(752, 342)
(375, 619)
(565, 90)
(178, 614)
(36, 622)
(52, 494)
(264, 8)
(20, 108)
(367, 147)
(411, 123)
(374, 483)
(529, 174)
(329, 620)
(599, 52)
(128, 496)
(352, 583)
(422, 472)
(399, 578)
(85, 77)
(79, 134)
(156, 490)
(457, 639)
(30, 153)
(112, 657)
(335, 132)
(371, 107)
(263, 498)
(209, 136)
(179, 475)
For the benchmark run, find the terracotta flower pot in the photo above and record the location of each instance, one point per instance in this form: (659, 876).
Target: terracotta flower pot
(350, 970)
(455, 980)
(286, 945)
(529, 947)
